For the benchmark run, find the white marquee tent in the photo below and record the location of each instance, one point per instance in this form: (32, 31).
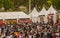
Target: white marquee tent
(51, 10)
(23, 15)
(13, 15)
(10, 16)
(43, 12)
(34, 15)
(1, 17)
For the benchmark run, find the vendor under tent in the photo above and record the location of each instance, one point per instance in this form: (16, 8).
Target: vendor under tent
(43, 15)
(1, 19)
(1, 22)
(34, 15)
(58, 16)
(11, 21)
(10, 18)
(52, 12)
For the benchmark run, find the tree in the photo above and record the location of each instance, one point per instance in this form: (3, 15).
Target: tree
(15, 4)
(1, 3)
(18, 3)
(56, 4)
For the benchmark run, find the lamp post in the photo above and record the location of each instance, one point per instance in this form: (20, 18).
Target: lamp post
(29, 6)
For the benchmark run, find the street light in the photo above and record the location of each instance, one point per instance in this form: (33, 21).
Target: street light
(29, 6)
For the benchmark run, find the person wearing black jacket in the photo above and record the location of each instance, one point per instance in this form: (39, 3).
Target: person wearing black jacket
(49, 35)
(37, 35)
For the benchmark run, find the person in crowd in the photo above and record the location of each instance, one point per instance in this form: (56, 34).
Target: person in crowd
(21, 35)
(30, 30)
(45, 33)
(38, 35)
(49, 34)
(54, 34)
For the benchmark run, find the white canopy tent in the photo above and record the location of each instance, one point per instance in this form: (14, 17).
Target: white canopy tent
(8, 15)
(23, 15)
(34, 15)
(43, 12)
(13, 15)
(1, 16)
(51, 10)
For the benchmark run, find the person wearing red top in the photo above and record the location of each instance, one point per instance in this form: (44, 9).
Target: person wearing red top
(21, 35)
(54, 35)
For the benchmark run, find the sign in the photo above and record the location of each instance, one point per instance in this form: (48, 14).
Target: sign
(24, 21)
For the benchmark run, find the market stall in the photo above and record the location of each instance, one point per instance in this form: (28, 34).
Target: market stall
(10, 21)
(34, 15)
(23, 18)
(52, 13)
(42, 15)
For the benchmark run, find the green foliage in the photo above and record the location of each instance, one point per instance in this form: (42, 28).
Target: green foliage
(13, 5)
(1, 3)
(56, 4)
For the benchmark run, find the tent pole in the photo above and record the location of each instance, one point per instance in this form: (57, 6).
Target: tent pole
(4, 19)
(17, 19)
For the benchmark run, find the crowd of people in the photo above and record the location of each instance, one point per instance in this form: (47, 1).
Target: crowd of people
(30, 30)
